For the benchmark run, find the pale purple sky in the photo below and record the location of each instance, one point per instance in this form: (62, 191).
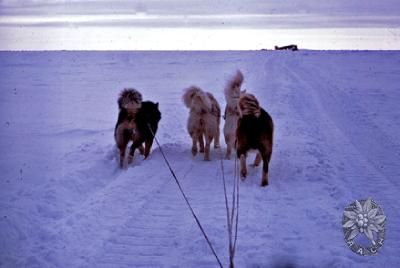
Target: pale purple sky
(352, 7)
(49, 21)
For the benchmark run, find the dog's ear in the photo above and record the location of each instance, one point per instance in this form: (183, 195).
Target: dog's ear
(157, 104)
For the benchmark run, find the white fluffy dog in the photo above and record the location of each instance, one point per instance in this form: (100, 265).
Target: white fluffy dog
(232, 94)
(204, 119)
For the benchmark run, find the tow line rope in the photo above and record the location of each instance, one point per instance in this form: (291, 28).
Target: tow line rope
(234, 212)
(186, 200)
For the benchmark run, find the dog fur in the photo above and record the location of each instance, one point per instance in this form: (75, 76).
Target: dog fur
(204, 119)
(147, 116)
(232, 93)
(129, 103)
(254, 131)
(129, 99)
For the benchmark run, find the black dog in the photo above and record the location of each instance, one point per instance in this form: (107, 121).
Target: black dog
(147, 117)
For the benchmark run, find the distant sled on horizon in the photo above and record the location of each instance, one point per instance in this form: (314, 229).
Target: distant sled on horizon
(289, 47)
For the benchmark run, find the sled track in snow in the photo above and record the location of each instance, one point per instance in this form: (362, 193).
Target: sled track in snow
(136, 244)
(163, 233)
(365, 157)
(357, 171)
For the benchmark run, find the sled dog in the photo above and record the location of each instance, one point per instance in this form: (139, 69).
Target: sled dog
(129, 103)
(254, 131)
(204, 119)
(147, 117)
(232, 93)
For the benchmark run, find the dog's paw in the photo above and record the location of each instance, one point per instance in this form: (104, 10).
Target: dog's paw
(194, 151)
(141, 150)
(243, 174)
(264, 179)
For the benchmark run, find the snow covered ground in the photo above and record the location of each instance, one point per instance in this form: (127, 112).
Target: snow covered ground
(65, 203)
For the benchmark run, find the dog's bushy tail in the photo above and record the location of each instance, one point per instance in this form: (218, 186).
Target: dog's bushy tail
(195, 92)
(189, 94)
(129, 95)
(232, 88)
(248, 104)
(215, 108)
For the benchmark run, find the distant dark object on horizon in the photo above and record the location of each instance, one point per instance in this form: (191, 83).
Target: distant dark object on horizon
(289, 47)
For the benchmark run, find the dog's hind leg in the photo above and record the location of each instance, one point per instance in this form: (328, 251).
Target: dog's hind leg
(194, 144)
(216, 141)
(121, 139)
(209, 139)
(201, 143)
(241, 154)
(266, 156)
(243, 168)
(122, 149)
(228, 147)
(141, 149)
(264, 177)
(135, 144)
(121, 144)
(257, 160)
(148, 143)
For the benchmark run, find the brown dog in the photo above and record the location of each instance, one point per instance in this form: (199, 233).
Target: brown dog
(129, 103)
(254, 131)
(204, 119)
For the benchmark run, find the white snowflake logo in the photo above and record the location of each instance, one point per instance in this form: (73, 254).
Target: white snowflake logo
(364, 217)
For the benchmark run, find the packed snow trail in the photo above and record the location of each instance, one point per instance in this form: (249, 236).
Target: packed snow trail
(65, 203)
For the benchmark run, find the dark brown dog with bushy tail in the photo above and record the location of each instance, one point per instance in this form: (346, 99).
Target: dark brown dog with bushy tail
(254, 132)
(129, 103)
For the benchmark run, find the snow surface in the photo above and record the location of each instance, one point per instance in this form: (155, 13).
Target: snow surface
(65, 203)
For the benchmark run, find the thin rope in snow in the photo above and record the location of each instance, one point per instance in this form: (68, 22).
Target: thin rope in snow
(234, 212)
(186, 200)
